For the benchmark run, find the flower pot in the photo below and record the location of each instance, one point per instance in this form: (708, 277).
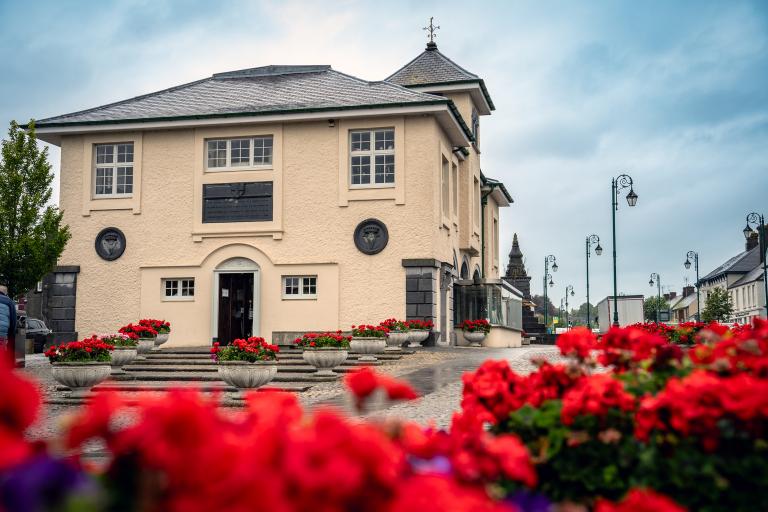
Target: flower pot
(325, 359)
(475, 338)
(416, 337)
(246, 375)
(80, 377)
(368, 347)
(396, 339)
(122, 356)
(144, 346)
(161, 338)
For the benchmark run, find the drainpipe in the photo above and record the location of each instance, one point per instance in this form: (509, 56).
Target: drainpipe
(483, 202)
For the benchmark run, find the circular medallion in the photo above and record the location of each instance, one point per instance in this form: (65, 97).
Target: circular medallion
(371, 236)
(110, 244)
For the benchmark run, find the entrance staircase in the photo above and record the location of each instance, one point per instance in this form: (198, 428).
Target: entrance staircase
(193, 367)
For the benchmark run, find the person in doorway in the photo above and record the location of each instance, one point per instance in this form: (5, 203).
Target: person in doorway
(7, 320)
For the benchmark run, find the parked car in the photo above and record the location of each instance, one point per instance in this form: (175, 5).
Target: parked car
(37, 330)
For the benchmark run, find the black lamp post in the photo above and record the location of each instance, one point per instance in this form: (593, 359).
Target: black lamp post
(548, 280)
(656, 276)
(759, 220)
(695, 256)
(568, 288)
(618, 183)
(591, 239)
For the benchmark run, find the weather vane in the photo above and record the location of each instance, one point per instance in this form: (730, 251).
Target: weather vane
(431, 29)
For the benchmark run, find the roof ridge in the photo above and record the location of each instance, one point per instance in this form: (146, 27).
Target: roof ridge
(116, 103)
(273, 70)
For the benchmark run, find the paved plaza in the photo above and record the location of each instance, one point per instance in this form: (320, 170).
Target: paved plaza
(434, 372)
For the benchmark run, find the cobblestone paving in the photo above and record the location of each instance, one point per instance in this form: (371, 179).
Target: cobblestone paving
(435, 373)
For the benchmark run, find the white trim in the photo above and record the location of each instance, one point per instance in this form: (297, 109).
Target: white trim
(372, 153)
(177, 298)
(230, 266)
(301, 295)
(228, 167)
(53, 134)
(112, 168)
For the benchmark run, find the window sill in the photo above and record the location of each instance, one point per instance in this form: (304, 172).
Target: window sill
(178, 299)
(107, 197)
(367, 187)
(309, 297)
(239, 169)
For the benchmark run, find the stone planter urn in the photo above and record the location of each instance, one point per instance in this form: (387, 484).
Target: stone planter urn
(122, 356)
(245, 375)
(80, 377)
(325, 359)
(144, 347)
(416, 337)
(368, 347)
(160, 339)
(475, 338)
(396, 339)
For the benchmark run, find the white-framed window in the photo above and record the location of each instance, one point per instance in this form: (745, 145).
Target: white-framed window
(445, 188)
(299, 287)
(455, 189)
(372, 157)
(179, 288)
(477, 203)
(239, 152)
(476, 126)
(113, 170)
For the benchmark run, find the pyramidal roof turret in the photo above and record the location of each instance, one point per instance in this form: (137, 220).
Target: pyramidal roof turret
(431, 71)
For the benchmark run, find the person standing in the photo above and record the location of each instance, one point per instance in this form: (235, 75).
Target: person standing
(7, 321)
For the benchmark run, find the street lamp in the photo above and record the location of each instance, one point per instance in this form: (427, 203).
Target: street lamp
(656, 276)
(591, 239)
(695, 256)
(567, 289)
(547, 260)
(618, 183)
(759, 221)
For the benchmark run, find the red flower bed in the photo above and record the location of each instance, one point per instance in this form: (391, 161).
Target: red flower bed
(369, 331)
(161, 326)
(481, 325)
(251, 350)
(142, 331)
(323, 339)
(87, 350)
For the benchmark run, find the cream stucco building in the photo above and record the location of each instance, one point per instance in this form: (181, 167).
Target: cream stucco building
(281, 199)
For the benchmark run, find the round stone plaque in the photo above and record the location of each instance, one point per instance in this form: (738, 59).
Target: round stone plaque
(110, 244)
(371, 236)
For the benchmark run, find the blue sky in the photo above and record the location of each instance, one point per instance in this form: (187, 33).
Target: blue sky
(673, 93)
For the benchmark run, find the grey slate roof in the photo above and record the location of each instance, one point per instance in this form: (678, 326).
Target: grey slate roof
(684, 302)
(431, 67)
(756, 274)
(739, 264)
(255, 91)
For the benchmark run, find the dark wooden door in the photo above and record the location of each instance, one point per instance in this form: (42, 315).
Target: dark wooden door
(235, 307)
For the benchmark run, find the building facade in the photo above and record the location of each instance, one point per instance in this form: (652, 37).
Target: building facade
(280, 199)
(742, 277)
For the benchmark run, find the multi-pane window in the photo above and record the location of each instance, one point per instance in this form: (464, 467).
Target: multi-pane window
(299, 287)
(113, 175)
(372, 157)
(455, 189)
(241, 152)
(179, 289)
(445, 188)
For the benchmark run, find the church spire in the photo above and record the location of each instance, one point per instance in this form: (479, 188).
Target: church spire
(515, 267)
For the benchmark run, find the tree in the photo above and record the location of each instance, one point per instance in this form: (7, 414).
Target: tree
(718, 306)
(539, 308)
(31, 233)
(652, 304)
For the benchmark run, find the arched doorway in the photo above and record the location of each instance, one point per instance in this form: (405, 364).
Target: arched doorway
(236, 300)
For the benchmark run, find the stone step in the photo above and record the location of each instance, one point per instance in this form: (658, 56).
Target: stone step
(140, 386)
(196, 359)
(206, 351)
(295, 368)
(294, 377)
